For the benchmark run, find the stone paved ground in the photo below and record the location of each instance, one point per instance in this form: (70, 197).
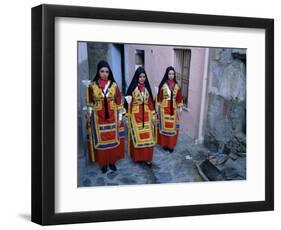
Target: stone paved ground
(179, 166)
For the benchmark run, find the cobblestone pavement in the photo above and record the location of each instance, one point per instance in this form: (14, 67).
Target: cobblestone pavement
(179, 166)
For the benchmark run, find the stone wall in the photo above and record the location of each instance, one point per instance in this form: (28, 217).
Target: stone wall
(97, 51)
(83, 74)
(225, 129)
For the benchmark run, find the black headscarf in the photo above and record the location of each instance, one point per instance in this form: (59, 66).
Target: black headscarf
(103, 64)
(100, 65)
(134, 84)
(164, 80)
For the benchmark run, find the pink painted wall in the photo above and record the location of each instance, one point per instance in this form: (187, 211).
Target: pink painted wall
(157, 59)
(190, 119)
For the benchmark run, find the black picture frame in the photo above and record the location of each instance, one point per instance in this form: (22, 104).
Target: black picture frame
(43, 114)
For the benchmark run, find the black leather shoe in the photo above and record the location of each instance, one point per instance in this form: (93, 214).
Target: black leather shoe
(104, 169)
(148, 163)
(112, 167)
(171, 150)
(166, 148)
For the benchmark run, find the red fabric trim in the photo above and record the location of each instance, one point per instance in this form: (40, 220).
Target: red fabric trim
(141, 87)
(160, 96)
(167, 141)
(150, 104)
(179, 96)
(102, 83)
(118, 96)
(110, 156)
(141, 154)
(171, 83)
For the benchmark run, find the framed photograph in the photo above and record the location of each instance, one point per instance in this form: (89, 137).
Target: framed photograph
(145, 114)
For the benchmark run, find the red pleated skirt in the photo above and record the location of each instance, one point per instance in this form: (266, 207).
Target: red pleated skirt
(167, 141)
(141, 154)
(110, 156)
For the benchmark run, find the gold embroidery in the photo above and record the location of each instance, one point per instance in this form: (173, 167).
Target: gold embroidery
(137, 128)
(98, 98)
(166, 119)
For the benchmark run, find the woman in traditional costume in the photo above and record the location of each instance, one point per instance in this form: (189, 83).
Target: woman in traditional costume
(141, 117)
(104, 119)
(169, 103)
